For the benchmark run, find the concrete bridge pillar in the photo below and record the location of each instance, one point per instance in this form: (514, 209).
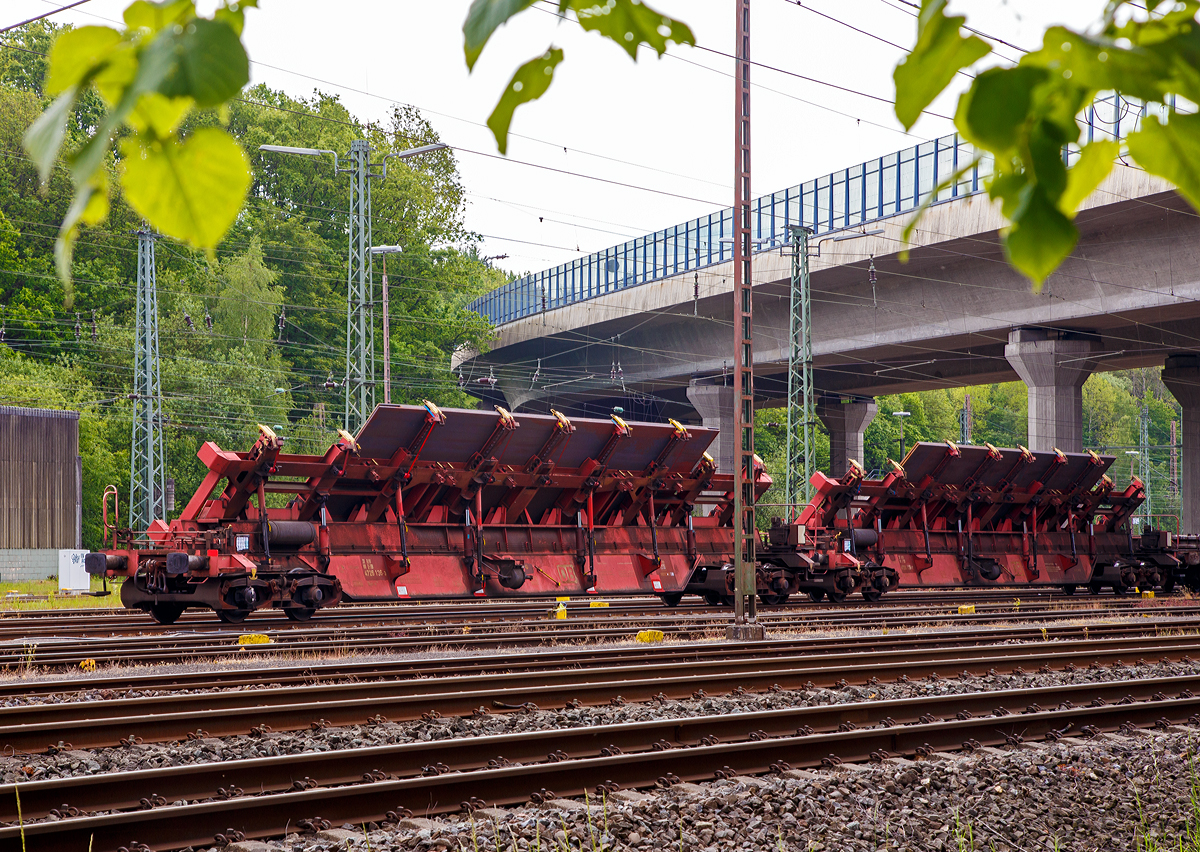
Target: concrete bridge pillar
(1182, 377)
(1054, 365)
(714, 403)
(846, 422)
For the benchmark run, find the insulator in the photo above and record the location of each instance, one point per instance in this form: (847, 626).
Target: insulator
(536, 374)
(187, 318)
(330, 384)
(208, 323)
(95, 334)
(620, 372)
(489, 379)
(78, 327)
(462, 382)
(612, 373)
(871, 277)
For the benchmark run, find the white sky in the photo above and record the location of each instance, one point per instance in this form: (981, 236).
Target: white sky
(664, 125)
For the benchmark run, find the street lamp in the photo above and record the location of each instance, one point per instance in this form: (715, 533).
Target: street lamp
(307, 152)
(902, 415)
(387, 336)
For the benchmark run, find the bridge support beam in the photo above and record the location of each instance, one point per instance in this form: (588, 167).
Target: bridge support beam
(846, 422)
(1182, 377)
(1054, 365)
(714, 403)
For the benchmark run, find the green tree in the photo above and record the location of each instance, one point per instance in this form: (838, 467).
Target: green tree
(246, 302)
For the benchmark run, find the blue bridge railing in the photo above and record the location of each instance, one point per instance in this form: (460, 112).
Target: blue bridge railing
(849, 198)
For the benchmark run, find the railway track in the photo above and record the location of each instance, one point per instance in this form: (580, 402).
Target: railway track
(49, 643)
(300, 674)
(512, 769)
(170, 717)
(452, 612)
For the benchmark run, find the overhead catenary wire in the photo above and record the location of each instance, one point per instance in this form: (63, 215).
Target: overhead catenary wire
(44, 15)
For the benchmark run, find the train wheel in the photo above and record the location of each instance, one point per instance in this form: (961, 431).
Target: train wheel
(836, 595)
(1119, 589)
(1095, 588)
(232, 616)
(871, 594)
(770, 599)
(1168, 585)
(672, 600)
(166, 613)
(1069, 589)
(712, 599)
(726, 600)
(816, 595)
(299, 613)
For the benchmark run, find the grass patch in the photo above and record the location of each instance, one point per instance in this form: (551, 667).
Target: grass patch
(50, 598)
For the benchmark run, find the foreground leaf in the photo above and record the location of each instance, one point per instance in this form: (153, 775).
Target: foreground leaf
(1041, 236)
(76, 54)
(155, 16)
(191, 190)
(483, 18)
(89, 206)
(155, 63)
(993, 111)
(528, 83)
(212, 67)
(1172, 151)
(44, 138)
(1096, 160)
(940, 53)
(631, 23)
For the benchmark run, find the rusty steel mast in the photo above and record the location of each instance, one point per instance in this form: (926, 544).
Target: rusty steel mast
(745, 533)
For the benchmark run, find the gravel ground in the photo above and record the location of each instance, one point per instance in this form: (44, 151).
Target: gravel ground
(1112, 792)
(20, 768)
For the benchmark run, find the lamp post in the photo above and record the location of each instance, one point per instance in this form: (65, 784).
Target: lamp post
(360, 319)
(384, 251)
(902, 415)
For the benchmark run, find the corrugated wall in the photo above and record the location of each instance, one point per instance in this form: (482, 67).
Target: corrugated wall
(39, 478)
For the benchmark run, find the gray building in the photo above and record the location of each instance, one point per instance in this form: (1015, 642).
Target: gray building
(41, 490)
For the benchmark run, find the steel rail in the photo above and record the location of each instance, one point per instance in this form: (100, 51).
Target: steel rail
(19, 622)
(68, 651)
(272, 814)
(310, 673)
(93, 724)
(137, 789)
